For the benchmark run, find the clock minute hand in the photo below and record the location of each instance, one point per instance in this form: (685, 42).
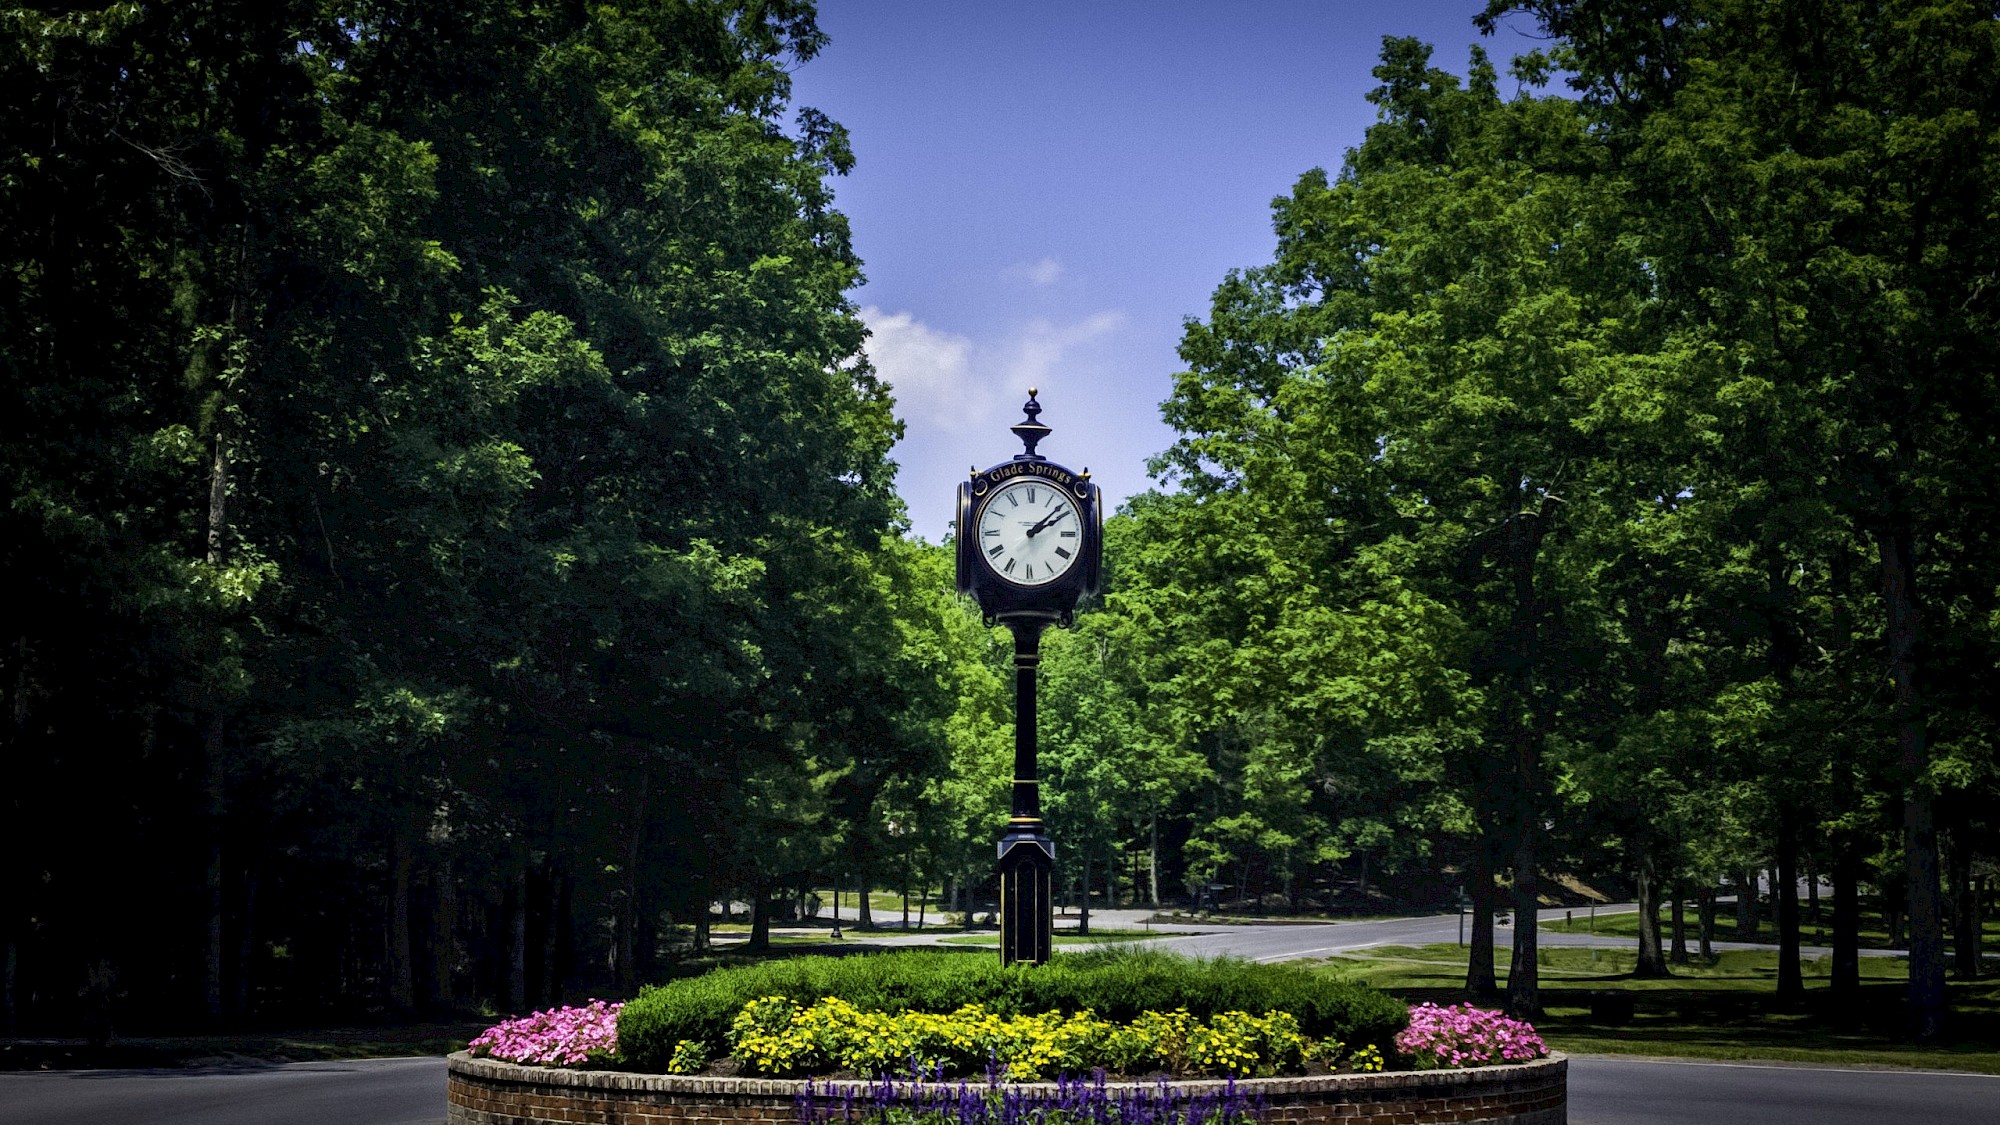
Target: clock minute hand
(1046, 521)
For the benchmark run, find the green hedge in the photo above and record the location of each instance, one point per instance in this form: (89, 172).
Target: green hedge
(1116, 984)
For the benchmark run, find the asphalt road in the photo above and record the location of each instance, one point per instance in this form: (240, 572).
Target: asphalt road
(1647, 1092)
(1603, 1091)
(1291, 942)
(363, 1092)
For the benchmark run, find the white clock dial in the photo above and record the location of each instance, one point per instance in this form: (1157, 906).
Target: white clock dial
(1029, 532)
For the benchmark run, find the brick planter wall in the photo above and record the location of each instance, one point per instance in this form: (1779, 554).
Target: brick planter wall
(486, 1092)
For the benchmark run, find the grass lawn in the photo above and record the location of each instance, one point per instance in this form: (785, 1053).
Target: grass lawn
(1061, 937)
(1873, 935)
(1726, 1010)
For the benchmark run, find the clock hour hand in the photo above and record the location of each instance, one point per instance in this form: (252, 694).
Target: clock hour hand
(1046, 521)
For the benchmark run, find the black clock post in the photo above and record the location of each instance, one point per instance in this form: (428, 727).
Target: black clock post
(1030, 545)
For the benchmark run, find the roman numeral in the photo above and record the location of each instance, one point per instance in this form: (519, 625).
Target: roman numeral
(1009, 568)
(1014, 498)
(996, 531)
(1064, 534)
(997, 548)
(1063, 553)
(1031, 494)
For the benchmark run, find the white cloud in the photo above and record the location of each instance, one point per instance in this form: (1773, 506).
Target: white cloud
(946, 383)
(930, 371)
(1044, 273)
(1036, 355)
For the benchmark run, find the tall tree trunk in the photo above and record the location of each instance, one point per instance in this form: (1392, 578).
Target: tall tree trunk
(223, 359)
(1706, 907)
(14, 910)
(1479, 972)
(560, 949)
(1791, 985)
(864, 914)
(10, 969)
(1746, 905)
(1812, 891)
(246, 945)
(1524, 995)
(517, 942)
(760, 917)
(1651, 961)
(1679, 953)
(1083, 908)
(212, 793)
(1845, 983)
(1927, 997)
(1964, 912)
(628, 899)
(1153, 861)
(402, 949)
(444, 936)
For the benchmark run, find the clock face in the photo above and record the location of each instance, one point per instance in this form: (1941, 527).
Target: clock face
(1029, 532)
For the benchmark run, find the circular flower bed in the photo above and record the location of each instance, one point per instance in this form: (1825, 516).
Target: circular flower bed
(905, 1040)
(775, 1036)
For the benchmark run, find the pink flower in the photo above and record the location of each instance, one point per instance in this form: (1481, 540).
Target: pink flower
(557, 1037)
(1467, 1036)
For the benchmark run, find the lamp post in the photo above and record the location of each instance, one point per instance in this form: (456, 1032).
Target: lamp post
(1030, 536)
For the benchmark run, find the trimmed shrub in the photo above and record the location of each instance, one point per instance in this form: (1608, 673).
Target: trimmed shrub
(1117, 985)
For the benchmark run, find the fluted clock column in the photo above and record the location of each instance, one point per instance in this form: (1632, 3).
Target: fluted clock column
(1030, 545)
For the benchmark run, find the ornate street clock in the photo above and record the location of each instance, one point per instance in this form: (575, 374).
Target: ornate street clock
(1030, 544)
(1030, 533)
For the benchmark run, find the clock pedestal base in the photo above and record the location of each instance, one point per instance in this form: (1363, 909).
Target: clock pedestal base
(1027, 896)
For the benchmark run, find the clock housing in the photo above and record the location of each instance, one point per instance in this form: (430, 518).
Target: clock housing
(1030, 539)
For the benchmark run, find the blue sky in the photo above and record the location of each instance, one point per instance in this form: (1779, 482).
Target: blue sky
(1043, 192)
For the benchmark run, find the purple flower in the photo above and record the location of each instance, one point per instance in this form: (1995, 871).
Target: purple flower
(1074, 1101)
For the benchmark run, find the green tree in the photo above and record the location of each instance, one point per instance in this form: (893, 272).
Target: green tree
(483, 482)
(1821, 181)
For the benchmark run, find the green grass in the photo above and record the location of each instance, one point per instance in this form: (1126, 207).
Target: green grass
(1724, 1010)
(1094, 937)
(1873, 934)
(776, 940)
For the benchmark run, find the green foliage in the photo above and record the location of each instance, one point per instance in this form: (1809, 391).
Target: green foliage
(484, 486)
(689, 1057)
(1117, 986)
